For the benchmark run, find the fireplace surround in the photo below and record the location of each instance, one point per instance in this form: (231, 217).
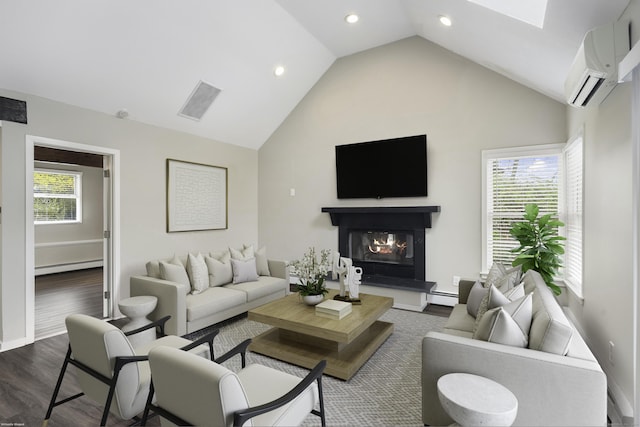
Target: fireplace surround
(388, 243)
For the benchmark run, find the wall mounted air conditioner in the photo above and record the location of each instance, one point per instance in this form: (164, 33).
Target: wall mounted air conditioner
(594, 71)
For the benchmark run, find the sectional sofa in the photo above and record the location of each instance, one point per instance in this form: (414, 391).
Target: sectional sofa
(554, 376)
(199, 290)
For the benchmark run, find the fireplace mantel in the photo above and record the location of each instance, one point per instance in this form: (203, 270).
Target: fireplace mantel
(410, 216)
(381, 277)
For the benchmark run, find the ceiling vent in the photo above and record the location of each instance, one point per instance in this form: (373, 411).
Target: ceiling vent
(594, 72)
(199, 101)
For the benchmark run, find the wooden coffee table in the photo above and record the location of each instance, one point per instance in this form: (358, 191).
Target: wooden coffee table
(302, 338)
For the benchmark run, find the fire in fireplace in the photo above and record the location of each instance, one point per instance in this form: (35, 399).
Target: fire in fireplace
(387, 242)
(395, 247)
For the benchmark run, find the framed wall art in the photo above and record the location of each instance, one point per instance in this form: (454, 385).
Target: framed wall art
(196, 196)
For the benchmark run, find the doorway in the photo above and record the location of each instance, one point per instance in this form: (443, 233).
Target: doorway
(100, 279)
(69, 211)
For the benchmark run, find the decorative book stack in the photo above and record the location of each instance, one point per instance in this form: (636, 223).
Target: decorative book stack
(333, 309)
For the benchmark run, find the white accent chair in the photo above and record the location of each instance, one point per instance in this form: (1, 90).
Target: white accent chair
(190, 390)
(111, 370)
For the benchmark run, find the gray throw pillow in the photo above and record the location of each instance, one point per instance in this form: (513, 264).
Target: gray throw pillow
(244, 270)
(496, 271)
(219, 267)
(475, 297)
(262, 265)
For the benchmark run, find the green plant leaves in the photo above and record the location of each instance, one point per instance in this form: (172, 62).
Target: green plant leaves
(540, 246)
(531, 212)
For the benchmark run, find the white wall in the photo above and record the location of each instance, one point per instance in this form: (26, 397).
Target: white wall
(58, 244)
(143, 152)
(1, 239)
(405, 88)
(607, 313)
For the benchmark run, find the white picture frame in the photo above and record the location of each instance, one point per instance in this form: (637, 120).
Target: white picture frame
(196, 196)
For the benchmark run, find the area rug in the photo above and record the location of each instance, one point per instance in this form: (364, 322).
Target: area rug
(386, 391)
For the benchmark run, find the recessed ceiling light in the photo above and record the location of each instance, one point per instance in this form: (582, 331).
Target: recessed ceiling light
(278, 71)
(445, 20)
(351, 18)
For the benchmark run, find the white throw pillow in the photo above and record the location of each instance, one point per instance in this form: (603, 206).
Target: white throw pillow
(220, 270)
(198, 273)
(476, 295)
(245, 253)
(508, 324)
(262, 265)
(177, 261)
(498, 327)
(495, 298)
(509, 279)
(153, 269)
(516, 292)
(521, 310)
(244, 270)
(174, 273)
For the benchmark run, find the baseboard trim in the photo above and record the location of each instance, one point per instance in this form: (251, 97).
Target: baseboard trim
(60, 268)
(418, 308)
(442, 298)
(11, 345)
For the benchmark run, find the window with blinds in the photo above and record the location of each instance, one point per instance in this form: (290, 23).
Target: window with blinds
(514, 178)
(573, 214)
(56, 196)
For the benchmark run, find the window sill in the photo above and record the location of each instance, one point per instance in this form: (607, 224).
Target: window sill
(567, 287)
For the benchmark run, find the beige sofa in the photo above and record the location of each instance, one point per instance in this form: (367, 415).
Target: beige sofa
(194, 304)
(556, 379)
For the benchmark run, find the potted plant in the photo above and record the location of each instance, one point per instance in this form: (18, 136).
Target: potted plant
(311, 273)
(540, 245)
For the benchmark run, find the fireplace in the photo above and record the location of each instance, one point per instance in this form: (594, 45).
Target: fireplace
(388, 243)
(383, 252)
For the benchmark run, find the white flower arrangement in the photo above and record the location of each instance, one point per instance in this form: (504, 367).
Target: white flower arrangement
(312, 271)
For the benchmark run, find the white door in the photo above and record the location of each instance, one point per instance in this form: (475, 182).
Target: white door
(107, 281)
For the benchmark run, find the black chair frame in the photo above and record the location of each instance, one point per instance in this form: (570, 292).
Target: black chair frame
(241, 417)
(120, 362)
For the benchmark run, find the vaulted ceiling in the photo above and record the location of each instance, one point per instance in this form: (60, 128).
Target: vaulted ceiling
(147, 56)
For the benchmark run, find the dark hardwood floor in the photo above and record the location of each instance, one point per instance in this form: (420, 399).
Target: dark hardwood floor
(28, 376)
(438, 310)
(60, 294)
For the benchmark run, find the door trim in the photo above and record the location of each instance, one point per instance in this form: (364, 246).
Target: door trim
(30, 142)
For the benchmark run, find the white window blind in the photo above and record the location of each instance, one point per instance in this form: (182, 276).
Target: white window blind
(514, 178)
(56, 196)
(573, 214)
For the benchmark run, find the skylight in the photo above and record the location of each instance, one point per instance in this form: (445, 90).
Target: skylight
(529, 11)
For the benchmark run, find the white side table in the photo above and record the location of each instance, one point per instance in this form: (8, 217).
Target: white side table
(472, 400)
(137, 309)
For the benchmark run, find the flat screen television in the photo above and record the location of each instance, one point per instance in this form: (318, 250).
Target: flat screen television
(394, 167)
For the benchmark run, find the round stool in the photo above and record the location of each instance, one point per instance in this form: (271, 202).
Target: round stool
(472, 400)
(137, 309)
